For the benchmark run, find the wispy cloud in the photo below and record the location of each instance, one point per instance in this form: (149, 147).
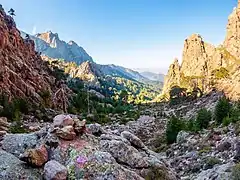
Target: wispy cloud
(34, 30)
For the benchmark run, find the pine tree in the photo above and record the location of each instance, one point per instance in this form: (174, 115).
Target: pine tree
(11, 12)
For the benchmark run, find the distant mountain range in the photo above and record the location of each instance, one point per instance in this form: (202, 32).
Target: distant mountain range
(50, 45)
(153, 76)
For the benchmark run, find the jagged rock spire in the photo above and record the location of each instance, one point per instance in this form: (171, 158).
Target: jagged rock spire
(195, 55)
(172, 77)
(232, 40)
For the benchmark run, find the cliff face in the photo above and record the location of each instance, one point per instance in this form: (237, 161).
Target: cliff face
(195, 56)
(173, 76)
(232, 40)
(201, 59)
(22, 71)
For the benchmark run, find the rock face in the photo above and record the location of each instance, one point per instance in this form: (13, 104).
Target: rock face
(173, 76)
(49, 44)
(22, 71)
(232, 40)
(196, 54)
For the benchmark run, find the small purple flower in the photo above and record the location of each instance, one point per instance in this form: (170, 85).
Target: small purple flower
(81, 160)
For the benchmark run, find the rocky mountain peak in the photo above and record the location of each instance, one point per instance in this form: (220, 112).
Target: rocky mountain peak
(232, 40)
(72, 43)
(195, 56)
(49, 37)
(175, 63)
(51, 45)
(200, 60)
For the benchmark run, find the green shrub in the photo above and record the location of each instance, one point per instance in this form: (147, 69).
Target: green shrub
(191, 126)
(226, 121)
(203, 118)
(17, 128)
(211, 161)
(220, 73)
(235, 113)
(205, 149)
(12, 110)
(222, 110)
(174, 126)
(236, 172)
(102, 118)
(80, 101)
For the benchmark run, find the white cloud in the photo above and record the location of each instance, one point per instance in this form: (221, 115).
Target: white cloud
(34, 30)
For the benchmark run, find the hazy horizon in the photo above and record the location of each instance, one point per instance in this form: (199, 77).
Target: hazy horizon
(135, 34)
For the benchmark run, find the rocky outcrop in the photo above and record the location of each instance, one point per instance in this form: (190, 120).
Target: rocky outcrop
(173, 77)
(232, 40)
(22, 71)
(196, 54)
(206, 155)
(200, 60)
(112, 156)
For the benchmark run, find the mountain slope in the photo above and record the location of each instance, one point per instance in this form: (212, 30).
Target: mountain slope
(108, 80)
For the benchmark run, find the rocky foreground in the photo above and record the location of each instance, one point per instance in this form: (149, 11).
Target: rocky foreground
(68, 148)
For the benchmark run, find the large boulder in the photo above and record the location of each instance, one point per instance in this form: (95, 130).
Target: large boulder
(96, 129)
(182, 137)
(224, 146)
(134, 140)
(91, 164)
(66, 133)
(53, 170)
(217, 173)
(12, 168)
(17, 143)
(35, 157)
(124, 153)
(62, 120)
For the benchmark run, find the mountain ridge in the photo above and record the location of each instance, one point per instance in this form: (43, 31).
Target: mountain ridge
(49, 44)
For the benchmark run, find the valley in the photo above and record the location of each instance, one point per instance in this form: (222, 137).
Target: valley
(65, 116)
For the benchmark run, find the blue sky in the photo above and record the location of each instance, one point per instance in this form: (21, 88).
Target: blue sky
(131, 33)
